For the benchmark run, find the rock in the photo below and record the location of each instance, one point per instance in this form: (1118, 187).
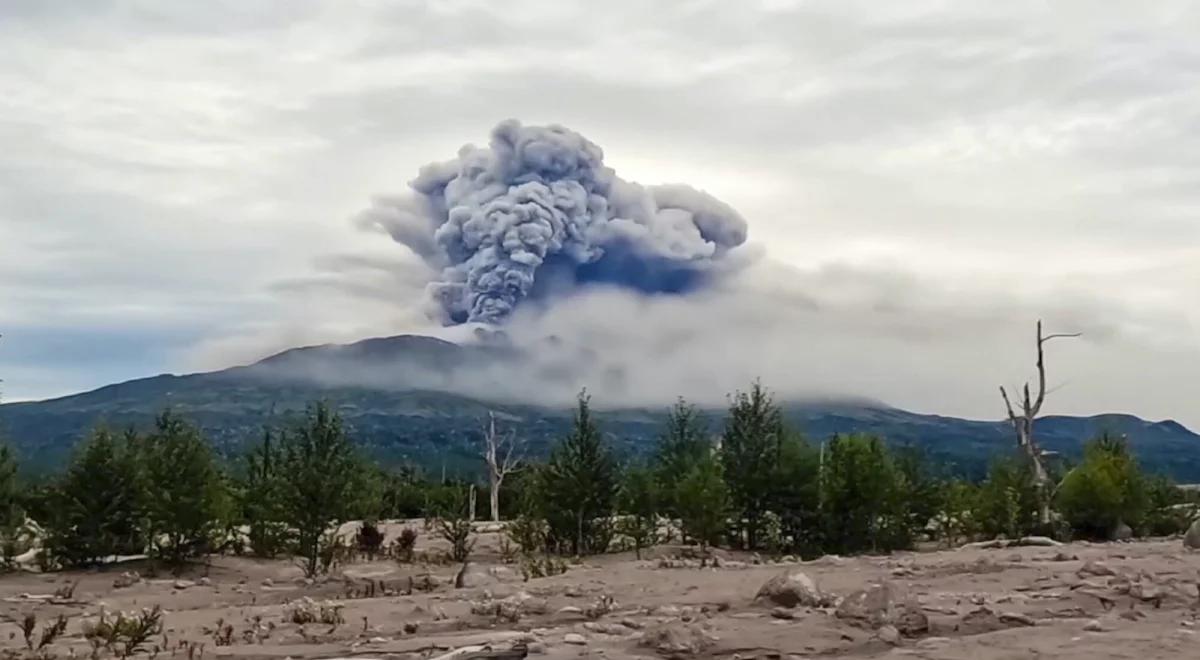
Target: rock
(674, 640)
(204, 582)
(930, 643)
(889, 635)
(884, 604)
(979, 621)
(268, 582)
(1122, 532)
(606, 628)
(184, 584)
(574, 638)
(1097, 568)
(504, 574)
(1016, 618)
(1147, 592)
(1093, 626)
(783, 613)
(471, 576)
(1192, 538)
(1132, 615)
(126, 579)
(536, 648)
(1062, 556)
(791, 589)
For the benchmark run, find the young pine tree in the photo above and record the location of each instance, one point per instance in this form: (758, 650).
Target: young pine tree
(750, 447)
(579, 486)
(703, 500)
(318, 476)
(96, 506)
(639, 504)
(681, 447)
(260, 495)
(862, 504)
(795, 495)
(12, 516)
(187, 499)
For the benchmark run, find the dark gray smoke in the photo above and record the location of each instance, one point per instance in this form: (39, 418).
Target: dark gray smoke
(537, 213)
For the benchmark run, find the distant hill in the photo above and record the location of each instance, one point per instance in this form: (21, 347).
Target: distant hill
(396, 395)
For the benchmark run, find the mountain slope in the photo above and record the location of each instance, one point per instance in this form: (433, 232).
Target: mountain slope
(393, 395)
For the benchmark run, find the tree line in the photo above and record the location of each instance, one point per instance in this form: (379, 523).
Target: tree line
(754, 484)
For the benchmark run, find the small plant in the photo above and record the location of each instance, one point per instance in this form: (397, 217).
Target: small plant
(370, 539)
(403, 546)
(49, 633)
(67, 591)
(458, 533)
(454, 526)
(124, 635)
(223, 635)
(528, 533)
(508, 551)
(543, 566)
(603, 605)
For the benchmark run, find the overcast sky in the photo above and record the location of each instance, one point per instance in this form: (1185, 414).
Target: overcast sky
(922, 181)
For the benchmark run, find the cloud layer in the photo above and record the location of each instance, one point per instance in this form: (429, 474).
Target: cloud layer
(924, 180)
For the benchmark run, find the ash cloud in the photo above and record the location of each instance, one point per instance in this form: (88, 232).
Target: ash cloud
(537, 214)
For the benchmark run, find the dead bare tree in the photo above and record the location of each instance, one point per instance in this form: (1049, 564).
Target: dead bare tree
(503, 456)
(1022, 423)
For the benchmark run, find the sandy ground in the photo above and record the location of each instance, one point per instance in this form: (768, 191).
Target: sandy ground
(1088, 601)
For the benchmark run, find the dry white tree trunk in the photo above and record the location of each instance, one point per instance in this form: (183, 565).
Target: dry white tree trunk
(503, 457)
(1022, 419)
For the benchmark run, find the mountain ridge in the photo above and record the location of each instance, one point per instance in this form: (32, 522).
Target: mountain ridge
(414, 417)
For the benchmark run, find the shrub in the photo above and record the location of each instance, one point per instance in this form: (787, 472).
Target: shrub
(454, 526)
(1008, 499)
(369, 539)
(528, 533)
(403, 546)
(1104, 491)
(126, 634)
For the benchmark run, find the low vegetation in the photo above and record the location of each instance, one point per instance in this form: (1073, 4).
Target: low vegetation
(754, 484)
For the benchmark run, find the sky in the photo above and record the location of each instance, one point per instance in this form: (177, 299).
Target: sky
(922, 181)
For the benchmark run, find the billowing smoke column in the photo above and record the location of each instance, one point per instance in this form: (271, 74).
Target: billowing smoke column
(537, 213)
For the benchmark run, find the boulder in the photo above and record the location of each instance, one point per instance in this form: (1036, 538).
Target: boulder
(126, 579)
(884, 604)
(1192, 538)
(471, 576)
(1122, 532)
(574, 638)
(1096, 568)
(791, 589)
(675, 640)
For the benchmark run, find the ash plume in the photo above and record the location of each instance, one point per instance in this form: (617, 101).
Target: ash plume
(537, 214)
